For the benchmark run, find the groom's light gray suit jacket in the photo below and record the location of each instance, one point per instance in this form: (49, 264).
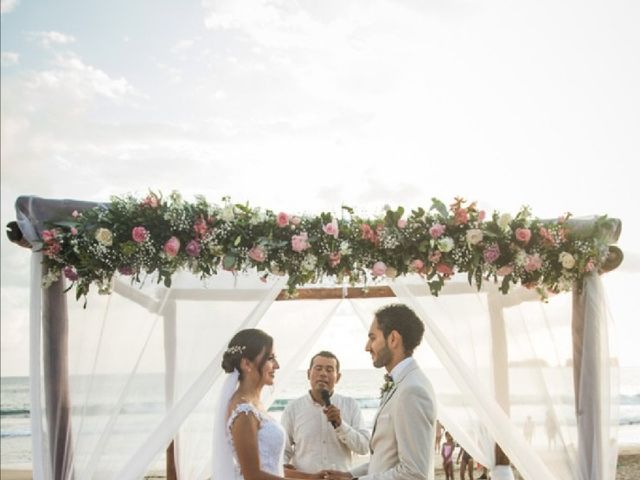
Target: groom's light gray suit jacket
(402, 441)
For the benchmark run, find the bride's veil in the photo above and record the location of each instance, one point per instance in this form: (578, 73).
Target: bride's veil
(222, 460)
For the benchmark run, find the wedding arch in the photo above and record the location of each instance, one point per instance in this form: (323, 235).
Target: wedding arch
(173, 270)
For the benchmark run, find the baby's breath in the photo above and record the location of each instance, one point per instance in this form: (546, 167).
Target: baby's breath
(171, 234)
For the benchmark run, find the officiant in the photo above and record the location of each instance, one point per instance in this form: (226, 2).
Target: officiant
(323, 429)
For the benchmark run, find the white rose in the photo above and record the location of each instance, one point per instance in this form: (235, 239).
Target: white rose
(445, 244)
(345, 248)
(309, 262)
(391, 272)
(504, 221)
(567, 260)
(258, 217)
(474, 236)
(227, 213)
(104, 236)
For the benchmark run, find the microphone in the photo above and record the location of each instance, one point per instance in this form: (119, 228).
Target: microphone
(326, 398)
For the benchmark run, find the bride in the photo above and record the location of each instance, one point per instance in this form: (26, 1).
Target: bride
(248, 443)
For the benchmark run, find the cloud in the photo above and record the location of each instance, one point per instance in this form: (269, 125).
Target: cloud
(10, 58)
(183, 45)
(7, 6)
(47, 39)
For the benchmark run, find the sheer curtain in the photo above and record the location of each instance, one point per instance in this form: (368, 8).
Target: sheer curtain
(503, 361)
(293, 337)
(127, 396)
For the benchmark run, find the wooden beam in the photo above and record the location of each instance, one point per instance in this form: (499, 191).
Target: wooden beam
(336, 293)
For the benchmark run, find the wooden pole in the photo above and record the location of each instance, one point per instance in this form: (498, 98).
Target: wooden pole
(55, 358)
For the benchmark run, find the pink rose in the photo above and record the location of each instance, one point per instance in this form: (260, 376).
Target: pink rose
(75, 214)
(70, 273)
(546, 235)
(74, 231)
(444, 269)
(282, 219)
(139, 234)
(200, 227)
(331, 228)
(151, 201)
(491, 253)
(299, 243)
(257, 254)
(48, 236)
(172, 247)
(481, 215)
(436, 230)
(505, 270)
(462, 216)
(533, 262)
(434, 257)
(416, 265)
(295, 220)
(52, 249)
(402, 223)
(523, 235)
(379, 269)
(334, 259)
(368, 233)
(193, 248)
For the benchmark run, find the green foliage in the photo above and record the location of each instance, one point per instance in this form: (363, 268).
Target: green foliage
(158, 236)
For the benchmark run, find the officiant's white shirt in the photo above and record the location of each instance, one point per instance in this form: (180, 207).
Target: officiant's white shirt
(312, 444)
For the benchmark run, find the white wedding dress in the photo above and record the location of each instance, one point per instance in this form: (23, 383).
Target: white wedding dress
(270, 440)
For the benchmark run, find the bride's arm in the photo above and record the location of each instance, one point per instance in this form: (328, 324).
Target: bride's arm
(293, 473)
(244, 433)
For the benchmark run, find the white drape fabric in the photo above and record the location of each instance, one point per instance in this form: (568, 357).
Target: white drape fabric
(487, 399)
(597, 408)
(282, 321)
(222, 453)
(494, 360)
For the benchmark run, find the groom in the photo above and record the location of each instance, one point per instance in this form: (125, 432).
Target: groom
(403, 436)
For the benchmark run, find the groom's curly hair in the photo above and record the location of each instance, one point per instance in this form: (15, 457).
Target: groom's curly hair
(403, 320)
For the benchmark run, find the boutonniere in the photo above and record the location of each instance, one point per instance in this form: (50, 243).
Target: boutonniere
(387, 385)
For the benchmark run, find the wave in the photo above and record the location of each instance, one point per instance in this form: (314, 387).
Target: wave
(15, 412)
(16, 434)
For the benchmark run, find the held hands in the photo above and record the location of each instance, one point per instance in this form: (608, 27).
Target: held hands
(333, 415)
(335, 475)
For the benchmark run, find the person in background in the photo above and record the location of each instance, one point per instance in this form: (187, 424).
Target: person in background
(439, 431)
(527, 429)
(447, 456)
(323, 432)
(467, 464)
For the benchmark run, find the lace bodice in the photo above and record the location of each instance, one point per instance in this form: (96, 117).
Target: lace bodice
(270, 440)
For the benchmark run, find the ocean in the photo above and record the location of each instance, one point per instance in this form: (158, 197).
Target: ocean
(15, 429)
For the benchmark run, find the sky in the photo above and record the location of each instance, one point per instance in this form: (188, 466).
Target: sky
(304, 106)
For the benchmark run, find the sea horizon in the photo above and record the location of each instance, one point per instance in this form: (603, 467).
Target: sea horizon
(15, 427)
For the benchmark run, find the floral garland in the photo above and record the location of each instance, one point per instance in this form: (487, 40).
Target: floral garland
(156, 235)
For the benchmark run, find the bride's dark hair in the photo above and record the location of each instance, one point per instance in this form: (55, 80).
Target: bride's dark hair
(249, 344)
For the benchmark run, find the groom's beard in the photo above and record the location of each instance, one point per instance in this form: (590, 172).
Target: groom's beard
(383, 357)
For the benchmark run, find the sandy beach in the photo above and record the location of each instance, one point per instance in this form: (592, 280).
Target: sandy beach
(628, 469)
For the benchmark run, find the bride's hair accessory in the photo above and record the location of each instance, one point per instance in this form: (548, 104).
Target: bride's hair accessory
(235, 349)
